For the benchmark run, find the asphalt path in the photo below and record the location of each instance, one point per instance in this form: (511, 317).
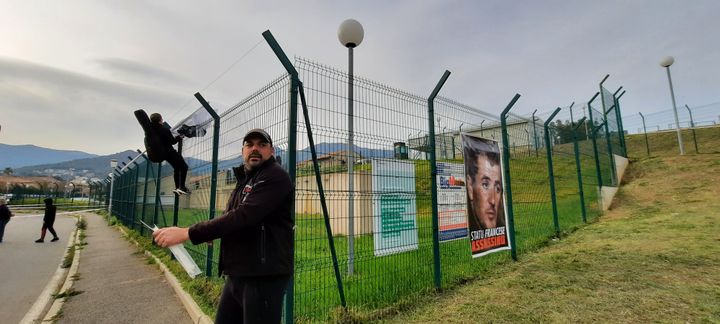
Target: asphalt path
(25, 266)
(117, 285)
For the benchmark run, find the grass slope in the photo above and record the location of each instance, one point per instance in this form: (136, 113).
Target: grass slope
(653, 258)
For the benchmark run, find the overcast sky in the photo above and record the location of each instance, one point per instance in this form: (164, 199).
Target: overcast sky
(72, 72)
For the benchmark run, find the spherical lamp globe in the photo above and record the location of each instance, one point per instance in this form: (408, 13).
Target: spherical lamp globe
(350, 33)
(667, 61)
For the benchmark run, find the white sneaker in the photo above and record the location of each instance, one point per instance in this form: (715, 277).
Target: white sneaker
(179, 191)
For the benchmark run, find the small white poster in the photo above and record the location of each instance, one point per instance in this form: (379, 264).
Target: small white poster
(394, 206)
(452, 205)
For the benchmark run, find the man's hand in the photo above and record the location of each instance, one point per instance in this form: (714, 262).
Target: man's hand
(170, 236)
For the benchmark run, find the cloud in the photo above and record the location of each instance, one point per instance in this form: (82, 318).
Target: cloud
(55, 108)
(141, 73)
(155, 55)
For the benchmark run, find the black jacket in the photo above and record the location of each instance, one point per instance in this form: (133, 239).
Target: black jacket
(5, 212)
(256, 229)
(159, 141)
(49, 217)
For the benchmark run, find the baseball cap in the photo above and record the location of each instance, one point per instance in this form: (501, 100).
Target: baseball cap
(257, 132)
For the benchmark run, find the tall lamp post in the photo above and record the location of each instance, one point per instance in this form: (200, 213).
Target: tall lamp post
(113, 165)
(350, 35)
(666, 62)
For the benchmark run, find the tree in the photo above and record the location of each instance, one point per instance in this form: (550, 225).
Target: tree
(8, 171)
(564, 131)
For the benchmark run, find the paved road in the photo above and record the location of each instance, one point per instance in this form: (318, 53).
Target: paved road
(26, 266)
(117, 284)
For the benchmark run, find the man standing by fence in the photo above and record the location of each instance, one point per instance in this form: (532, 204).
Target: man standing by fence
(256, 232)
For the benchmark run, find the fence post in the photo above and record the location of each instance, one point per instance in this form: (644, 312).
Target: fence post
(119, 193)
(213, 176)
(134, 194)
(579, 170)
(176, 198)
(617, 120)
(108, 193)
(621, 128)
(116, 192)
(433, 180)
(506, 175)
(158, 201)
(145, 193)
(594, 141)
(137, 181)
(607, 131)
(549, 150)
(647, 144)
(321, 192)
(535, 133)
(692, 127)
(608, 136)
(292, 147)
(597, 160)
(110, 196)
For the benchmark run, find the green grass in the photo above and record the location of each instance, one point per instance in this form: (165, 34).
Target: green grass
(385, 284)
(652, 259)
(68, 293)
(394, 281)
(665, 143)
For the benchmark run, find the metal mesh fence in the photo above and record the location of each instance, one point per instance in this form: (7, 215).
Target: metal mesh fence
(380, 260)
(379, 188)
(610, 116)
(603, 144)
(655, 133)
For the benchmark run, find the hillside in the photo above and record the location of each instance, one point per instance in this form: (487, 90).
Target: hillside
(97, 167)
(16, 156)
(652, 258)
(665, 142)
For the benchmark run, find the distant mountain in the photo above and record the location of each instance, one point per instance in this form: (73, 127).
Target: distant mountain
(99, 166)
(93, 167)
(16, 156)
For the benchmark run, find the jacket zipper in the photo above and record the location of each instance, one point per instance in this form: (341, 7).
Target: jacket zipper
(262, 244)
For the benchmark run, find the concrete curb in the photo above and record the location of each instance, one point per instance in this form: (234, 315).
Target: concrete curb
(191, 307)
(69, 280)
(35, 314)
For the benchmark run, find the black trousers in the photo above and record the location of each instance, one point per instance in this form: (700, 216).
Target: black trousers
(49, 227)
(180, 168)
(252, 300)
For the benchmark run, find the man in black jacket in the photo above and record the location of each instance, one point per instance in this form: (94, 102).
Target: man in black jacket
(256, 236)
(167, 140)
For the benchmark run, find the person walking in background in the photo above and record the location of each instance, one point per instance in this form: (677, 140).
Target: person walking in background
(256, 236)
(167, 140)
(5, 215)
(48, 221)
